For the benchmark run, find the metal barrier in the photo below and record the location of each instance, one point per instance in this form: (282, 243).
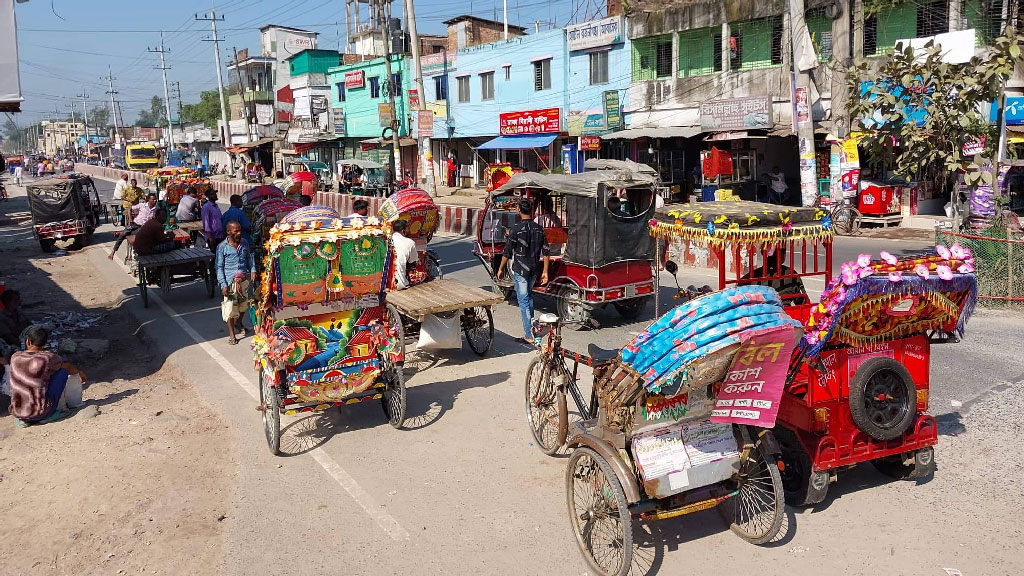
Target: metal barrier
(998, 263)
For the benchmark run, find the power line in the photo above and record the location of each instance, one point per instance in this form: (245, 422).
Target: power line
(212, 19)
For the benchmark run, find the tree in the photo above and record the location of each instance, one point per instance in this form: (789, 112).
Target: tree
(99, 116)
(207, 110)
(155, 116)
(921, 111)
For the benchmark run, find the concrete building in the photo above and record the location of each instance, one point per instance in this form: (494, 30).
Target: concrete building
(311, 131)
(281, 43)
(465, 31)
(251, 99)
(60, 137)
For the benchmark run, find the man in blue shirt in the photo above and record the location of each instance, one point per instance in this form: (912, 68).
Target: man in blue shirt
(236, 214)
(235, 269)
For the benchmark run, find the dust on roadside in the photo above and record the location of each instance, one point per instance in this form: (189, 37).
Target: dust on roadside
(141, 487)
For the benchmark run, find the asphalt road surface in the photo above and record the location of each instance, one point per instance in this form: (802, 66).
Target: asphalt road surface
(463, 490)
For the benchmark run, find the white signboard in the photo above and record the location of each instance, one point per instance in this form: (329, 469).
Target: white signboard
(264, 114)
(594, 34)
(298, 43)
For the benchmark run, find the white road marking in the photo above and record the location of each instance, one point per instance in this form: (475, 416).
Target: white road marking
(386, 521)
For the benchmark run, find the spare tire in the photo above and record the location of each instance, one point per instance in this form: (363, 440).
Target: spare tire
(883, 399)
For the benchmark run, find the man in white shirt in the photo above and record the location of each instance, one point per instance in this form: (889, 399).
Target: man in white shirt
(17, 174)
(360, 208)
(188, 207)
(120, 186)
(405, 253)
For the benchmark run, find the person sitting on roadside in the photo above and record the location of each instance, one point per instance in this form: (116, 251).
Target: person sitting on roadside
(235, 269)
(213, 226)
(152, 238)
(406, 255)
(188, 206)
(40, 383)
(12, 319)
(236, 214)
(305, 200)
(360, 208)
(145, 214)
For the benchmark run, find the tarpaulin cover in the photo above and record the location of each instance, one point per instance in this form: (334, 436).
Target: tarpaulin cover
(582, 184)
(260, 193)
(518, 142)
(55, 200)
(628, 165)
(596, 237)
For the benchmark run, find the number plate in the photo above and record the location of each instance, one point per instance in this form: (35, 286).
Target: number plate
(630, 291)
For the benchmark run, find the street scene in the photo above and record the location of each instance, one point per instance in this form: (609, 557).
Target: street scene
(638, 295)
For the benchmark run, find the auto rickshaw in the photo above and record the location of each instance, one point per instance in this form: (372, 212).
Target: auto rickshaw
(63, 208)
(596, 226)
(857, 387)
(322, 336)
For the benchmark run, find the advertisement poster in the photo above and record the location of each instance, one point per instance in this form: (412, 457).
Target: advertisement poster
(590, 143)
(414, 99)
(385, 114)
(849, 167)
(425, 123)
(355, 79)
(803, 110)
(612, 110)
(753, 385)
(339, 121)
(530, 122)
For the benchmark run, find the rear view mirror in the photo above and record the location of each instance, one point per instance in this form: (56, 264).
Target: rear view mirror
(671, 267)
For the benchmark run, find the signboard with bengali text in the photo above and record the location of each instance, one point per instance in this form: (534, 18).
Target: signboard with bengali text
(594, 34)
(612, 110)
(543, 121)
(590, 143)
(355, 79)
(754, 112)
(425, 124)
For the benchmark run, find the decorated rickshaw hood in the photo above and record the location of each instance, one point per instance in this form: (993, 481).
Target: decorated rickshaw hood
(740, 221)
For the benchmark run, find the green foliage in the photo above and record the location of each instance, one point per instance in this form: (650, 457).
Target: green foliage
(155, 116)
(207, 110)
(99, 116)
(951, 95)
(874, 7)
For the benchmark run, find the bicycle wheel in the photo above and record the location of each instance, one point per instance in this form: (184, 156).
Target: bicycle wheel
(546, 410)
(599, 513)
(847, 221)
(270, 405)
(755, 513)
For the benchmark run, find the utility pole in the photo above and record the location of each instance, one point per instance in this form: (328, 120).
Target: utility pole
(804, 127)
(163, 68)
(426, 154)
(212, 19)
(85, 116)
(385, 27)
(177, 93)
(113, 110)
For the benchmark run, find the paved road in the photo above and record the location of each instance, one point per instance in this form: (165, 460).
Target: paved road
(464, 491)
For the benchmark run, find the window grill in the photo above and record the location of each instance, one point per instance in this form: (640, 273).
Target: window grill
(542, 75)
(463, 88)
(700, 51)
(915, 19)
(819, 25)
(598, 68)
(755, 44)
(652, 58)
(487, 86)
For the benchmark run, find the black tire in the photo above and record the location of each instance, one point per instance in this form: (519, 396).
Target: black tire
(546, 409)
(569, 304)
(478, 326)
(393, 395)
(922, 466)
(631, 309)
(270, 406)
(847, 221)
(883, 399)
(594, 495)
(755, 513)
(46, 244)
(801, 485)
(395, 319)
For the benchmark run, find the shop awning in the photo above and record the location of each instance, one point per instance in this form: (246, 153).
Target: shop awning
(249, 145)
(666, 132)
(518, 142)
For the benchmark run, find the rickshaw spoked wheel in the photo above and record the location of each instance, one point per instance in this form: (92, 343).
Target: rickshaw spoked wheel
(569, 303)
(397, 327)
(392, 398)
(598, 513)
(270, 405)
(755, 513)
(546, 409)
(478, 325)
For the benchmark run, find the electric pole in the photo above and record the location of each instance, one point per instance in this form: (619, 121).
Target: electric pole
(803, 123)
(85, 116)
(177, 92)
(392, 88)
(113, 110)
(426, 154)
(163, 68)
(212, 19)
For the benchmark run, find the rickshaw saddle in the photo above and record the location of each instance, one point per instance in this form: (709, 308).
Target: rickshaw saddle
(601, 355)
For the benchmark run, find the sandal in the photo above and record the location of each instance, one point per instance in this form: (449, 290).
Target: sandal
(232, 340)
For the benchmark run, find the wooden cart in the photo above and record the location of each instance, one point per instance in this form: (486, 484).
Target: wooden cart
(445, 298)
(183, 265)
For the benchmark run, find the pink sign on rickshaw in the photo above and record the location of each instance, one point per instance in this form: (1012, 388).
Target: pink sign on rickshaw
(752, 387)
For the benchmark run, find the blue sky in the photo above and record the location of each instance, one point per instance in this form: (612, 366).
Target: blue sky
(65, 46)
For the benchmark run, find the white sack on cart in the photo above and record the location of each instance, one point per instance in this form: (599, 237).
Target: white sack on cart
(440, 333)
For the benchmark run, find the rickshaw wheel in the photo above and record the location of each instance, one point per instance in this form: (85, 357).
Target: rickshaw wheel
(630, 309)
(598, 513)
(545, 407)
(479, 329)
(393, 397)
(270, 403)
(847, 221)
(569, 303)
(755, 513)
(395, 319)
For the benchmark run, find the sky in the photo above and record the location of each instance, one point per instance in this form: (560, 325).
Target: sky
(66, 46)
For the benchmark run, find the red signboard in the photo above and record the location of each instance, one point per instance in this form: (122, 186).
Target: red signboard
(590, 142)
(414, 99)
(531, 121)
(356, 79)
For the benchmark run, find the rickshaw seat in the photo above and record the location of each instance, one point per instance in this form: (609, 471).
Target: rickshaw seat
(601, 355)
(548, 318)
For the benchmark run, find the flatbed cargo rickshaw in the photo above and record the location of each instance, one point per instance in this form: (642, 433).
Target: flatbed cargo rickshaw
(430, 293)
(66, 207)
(671, 426)
(596, 224)
(322, 336)
(858, 384)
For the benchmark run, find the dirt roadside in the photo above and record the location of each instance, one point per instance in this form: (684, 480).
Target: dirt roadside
(136, 482)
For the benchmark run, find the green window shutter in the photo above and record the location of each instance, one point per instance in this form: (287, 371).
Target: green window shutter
(894, 24)
(645, 57)
(697, 51)
(820, 27)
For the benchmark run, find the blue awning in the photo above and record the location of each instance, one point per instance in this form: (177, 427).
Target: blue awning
(518, 142)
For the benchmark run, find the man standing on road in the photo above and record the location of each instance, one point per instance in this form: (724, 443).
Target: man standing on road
(525, 247)
(236, 214)
(213, 228)
(235, 269)
(18, 174)
(146, 213)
